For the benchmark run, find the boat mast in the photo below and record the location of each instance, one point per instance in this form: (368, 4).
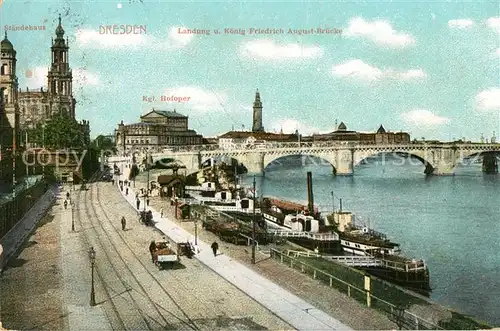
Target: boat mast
(253, 223)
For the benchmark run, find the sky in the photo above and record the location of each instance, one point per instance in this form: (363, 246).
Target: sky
(430, 68)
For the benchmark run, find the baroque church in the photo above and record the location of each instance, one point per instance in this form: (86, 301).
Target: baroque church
(22, 110)
(36, 106)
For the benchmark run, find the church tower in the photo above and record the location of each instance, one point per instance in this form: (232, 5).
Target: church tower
(60, 79)
(257, 114)
(9, 85)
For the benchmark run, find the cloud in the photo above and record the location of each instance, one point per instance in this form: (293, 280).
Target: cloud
(83, 77)
(380, 32)
(488, 99)
(497, 52)
(93, 39)
(37, 77)
(460, 23)
(494, 23)
(269, 50)
(423, 117)
(289, 125)
(200, 99)
(177, 39)
(363, 71)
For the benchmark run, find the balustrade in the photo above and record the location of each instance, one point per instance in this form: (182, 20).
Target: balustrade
(330, 144)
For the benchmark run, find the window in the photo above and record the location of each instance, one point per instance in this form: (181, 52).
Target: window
(3, 69)
(147, 141)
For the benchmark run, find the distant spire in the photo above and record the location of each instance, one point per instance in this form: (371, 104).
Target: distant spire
(59, 19)
(5, 34)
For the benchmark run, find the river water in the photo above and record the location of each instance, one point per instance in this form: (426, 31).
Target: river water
(451, 222)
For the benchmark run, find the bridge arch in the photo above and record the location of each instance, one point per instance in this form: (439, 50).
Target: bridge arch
(325, 159)
(168, 163)
(304, 160)
(396, 158)
(205, 161)
(468, 154)
(489, 160)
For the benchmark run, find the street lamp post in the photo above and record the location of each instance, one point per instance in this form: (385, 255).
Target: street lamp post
(92, 261)
(253, 223)
(72, 217)
(147, 185)
(196, 232)
(333, 201)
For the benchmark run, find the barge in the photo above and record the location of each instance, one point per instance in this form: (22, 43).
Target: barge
(390, 265)
(353, 239)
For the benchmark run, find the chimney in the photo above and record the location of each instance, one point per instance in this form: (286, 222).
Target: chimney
(310, 198)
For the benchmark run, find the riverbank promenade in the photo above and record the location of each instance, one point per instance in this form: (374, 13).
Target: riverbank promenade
(292, 309)
(13, 240)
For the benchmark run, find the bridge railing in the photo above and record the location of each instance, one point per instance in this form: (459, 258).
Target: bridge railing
(328, 144)
(354, 289)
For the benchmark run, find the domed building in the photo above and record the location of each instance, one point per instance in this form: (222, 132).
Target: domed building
(22, 110)
(9, 112)
(381, 136)
(38, 105)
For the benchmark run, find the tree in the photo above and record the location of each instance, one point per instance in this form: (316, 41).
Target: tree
(103, 143)
(59, 132)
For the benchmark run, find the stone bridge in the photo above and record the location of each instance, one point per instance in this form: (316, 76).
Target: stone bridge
(438, 159)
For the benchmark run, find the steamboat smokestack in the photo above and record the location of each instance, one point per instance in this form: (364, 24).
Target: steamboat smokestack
(310, 198)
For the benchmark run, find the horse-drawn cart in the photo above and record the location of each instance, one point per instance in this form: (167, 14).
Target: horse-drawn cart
(164, 255)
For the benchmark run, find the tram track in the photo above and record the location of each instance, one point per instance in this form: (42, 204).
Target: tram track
(189, 322)
(127, 317)
(99, 275)
(96, 219)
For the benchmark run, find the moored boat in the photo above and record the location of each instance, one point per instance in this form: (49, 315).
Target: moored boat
(359, 239)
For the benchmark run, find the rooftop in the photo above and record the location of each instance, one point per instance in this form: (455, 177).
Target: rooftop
(258, 135)
(6, 45)
(165, 113)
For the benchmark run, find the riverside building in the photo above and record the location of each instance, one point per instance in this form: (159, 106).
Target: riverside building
(256, 137)
(380, 137)
(156, 130)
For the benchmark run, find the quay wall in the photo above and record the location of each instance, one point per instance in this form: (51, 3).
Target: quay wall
(408, 309)
(13, 209)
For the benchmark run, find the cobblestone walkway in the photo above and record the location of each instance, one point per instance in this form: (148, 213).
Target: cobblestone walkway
(297, 312)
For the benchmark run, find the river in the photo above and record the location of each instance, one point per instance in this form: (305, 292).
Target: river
(452, 222)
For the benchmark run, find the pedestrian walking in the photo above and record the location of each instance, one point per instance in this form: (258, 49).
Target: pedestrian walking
(161, 212)
(67, 195)
(147, 201)
(126, 191)
(65, 204)
(124, 223)
(152, 248)
(215, 247)
(137, 202)
(121, 187)
(1, 260)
